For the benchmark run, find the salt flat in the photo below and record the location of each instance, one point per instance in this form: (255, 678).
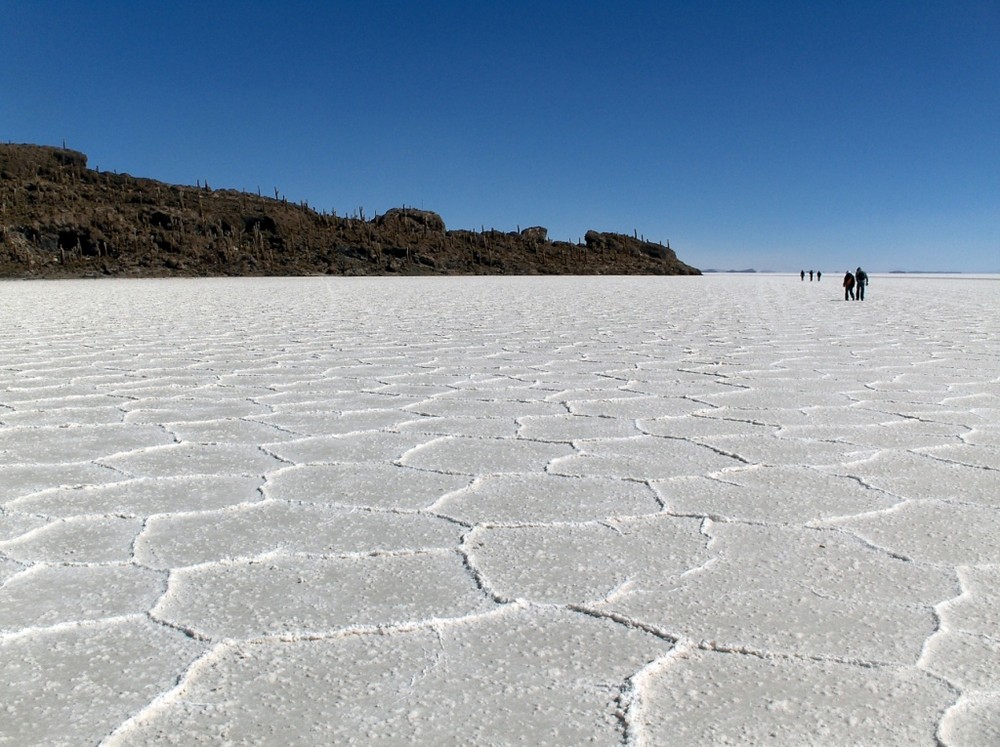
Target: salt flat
(638, 511)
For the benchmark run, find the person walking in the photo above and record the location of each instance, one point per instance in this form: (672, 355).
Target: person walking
(819, 276)
(848, 286)
(861, 280)
(810, 276)
(802, 274)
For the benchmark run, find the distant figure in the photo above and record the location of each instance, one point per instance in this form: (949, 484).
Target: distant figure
(802, 274)
(810, 276)
(818, 275)
(848, 286)
(861, 278)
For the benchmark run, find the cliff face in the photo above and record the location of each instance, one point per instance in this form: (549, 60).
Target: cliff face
(60, 219)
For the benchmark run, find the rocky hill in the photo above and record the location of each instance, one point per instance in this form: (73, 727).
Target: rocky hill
(60, 219)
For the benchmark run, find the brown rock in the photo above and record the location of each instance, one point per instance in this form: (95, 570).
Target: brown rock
(60, 219)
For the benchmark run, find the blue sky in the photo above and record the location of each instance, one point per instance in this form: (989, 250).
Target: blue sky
(773, 135)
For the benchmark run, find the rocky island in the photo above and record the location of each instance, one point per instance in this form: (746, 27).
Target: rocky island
(61, 219)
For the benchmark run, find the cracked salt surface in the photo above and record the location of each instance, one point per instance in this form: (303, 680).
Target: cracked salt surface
(637, 511)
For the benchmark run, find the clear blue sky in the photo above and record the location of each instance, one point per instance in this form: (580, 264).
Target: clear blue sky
(774, 135)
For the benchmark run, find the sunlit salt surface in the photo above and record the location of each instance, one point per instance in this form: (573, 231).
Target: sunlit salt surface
(640, 511)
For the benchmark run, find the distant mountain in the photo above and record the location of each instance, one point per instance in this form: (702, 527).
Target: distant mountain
(59, 218)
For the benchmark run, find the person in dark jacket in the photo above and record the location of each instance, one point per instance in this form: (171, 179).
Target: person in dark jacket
(848, 286)
(860, 280)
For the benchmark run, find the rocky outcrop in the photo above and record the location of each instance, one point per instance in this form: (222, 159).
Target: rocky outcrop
(410, 219)
(536, 233)
(59, 218)
(616, 242)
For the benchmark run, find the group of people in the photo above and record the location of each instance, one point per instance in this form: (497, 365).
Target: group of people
(854, 285)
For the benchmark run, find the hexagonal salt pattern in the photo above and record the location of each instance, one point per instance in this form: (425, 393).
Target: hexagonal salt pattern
(553, 511)
(77, 683)
(520, 676)
(706, 697)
